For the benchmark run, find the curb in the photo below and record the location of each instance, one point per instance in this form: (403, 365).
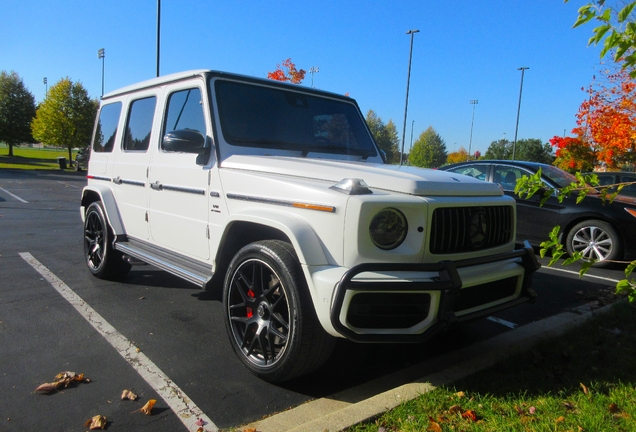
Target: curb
(337, 412)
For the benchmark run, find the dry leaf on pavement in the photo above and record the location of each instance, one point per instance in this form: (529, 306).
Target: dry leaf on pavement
(97, 422)
(61, 379)
(147, 409)
(128, 394)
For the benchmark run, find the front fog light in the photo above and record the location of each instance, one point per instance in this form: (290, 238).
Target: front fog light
(388, 228)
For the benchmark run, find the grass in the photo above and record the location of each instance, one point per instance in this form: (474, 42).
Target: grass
(32, 158)
(584, 380)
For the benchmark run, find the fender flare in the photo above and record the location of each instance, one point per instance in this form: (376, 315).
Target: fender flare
(302, 236)
(111, 210)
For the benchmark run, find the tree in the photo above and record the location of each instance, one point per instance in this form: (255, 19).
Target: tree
(66, 116)
(429, 151)
(287, 72)
(616, 29)
(385, 136)
(499, 150)
(533, 150)
(17, 109)
(460, 155)
(606, 125)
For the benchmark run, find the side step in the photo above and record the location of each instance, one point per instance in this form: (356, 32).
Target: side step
(186, 268)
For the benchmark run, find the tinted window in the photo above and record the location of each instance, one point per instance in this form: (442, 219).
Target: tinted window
(185, 111)
(139, 124)
(476, 171)
(106, 128)
(507, 176)
(257, 116)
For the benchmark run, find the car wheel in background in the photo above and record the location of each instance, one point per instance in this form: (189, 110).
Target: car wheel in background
(595, 239)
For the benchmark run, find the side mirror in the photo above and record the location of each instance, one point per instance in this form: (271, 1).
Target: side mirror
(184, 141)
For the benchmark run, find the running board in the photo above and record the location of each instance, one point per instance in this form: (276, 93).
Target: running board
(186, 268)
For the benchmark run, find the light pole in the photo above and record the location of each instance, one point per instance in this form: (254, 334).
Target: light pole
(101, 54)
(46, 87)
(470, 142)
(313, 70)
(158, 32)
(406, 106)
(514, 144)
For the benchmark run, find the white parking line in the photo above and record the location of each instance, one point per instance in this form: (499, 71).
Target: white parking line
(14, 196)
(503, 322)
(577, 273)
(177, 400)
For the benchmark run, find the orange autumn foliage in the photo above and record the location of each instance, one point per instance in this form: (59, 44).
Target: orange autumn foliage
(606, 126)
(287, 72)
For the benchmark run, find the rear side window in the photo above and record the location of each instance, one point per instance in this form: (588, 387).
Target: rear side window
(139, 124)
(106, 129)
(185, 111)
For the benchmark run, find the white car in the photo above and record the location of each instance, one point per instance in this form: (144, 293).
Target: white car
(278, 195)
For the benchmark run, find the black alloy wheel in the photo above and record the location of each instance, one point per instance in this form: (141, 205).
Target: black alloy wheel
(101, 257)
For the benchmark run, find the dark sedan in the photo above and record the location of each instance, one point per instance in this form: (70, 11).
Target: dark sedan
(604, 231)
(615, 177)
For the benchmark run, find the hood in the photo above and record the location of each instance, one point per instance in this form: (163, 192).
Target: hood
(393, 178)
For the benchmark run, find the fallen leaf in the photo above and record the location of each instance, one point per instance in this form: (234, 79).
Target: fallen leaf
(47, 387)
(147, 409)
(433, 426)
(560, 419)
(200, 422)
(127, 394)
(568, 406)
(532, 410)
(520, 411)
(249, 430)
(470, 415)
(613, 408)
(585, 389)
(200, 429)
(460, 394)
(97, 422)
(455, 409)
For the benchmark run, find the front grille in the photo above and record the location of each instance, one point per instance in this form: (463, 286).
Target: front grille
(482, 294)
(467, 229)
(388, 310)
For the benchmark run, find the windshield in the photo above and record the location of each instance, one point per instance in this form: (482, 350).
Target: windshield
(267, 117)
(559, 177)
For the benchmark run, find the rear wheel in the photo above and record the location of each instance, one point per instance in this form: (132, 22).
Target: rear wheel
(101, 257)
(595, 239)
(269, 317)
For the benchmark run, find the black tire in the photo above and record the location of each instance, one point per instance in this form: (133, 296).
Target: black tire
(595, 239)
(101, 258)
(269, 316)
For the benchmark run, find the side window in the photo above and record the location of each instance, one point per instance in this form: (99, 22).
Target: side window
(139, 124)
(476, 171)
(106, 129)
(507, 176)
(185, 111)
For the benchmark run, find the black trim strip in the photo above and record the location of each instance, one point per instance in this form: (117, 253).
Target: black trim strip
(183, 189)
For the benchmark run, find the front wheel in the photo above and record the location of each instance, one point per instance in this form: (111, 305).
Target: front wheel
(101, 257)
(595, 239)
(269, 317)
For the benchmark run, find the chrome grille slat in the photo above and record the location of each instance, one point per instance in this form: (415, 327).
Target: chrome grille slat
(450, 229)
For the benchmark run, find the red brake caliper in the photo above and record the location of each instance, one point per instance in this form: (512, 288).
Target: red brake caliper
(250, 293)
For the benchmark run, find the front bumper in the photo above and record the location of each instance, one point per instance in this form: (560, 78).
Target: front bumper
(448, 303)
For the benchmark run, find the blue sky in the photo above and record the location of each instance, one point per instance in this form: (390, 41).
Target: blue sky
(466, 50)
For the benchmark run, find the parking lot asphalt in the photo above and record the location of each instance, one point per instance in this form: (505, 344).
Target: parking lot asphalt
(180, 330)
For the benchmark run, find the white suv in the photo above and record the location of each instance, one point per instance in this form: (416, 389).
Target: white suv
(278, 195)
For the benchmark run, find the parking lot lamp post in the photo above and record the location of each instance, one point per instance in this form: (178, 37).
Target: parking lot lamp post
(408, 80)
(46, 87)
(514, 144)
(158, 32)
(313, 70)
(470, 142)
(101, 54)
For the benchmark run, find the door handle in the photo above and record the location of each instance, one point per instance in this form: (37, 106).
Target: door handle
(156, 186)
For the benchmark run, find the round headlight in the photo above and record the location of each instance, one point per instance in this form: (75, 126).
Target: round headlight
(388, 228)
